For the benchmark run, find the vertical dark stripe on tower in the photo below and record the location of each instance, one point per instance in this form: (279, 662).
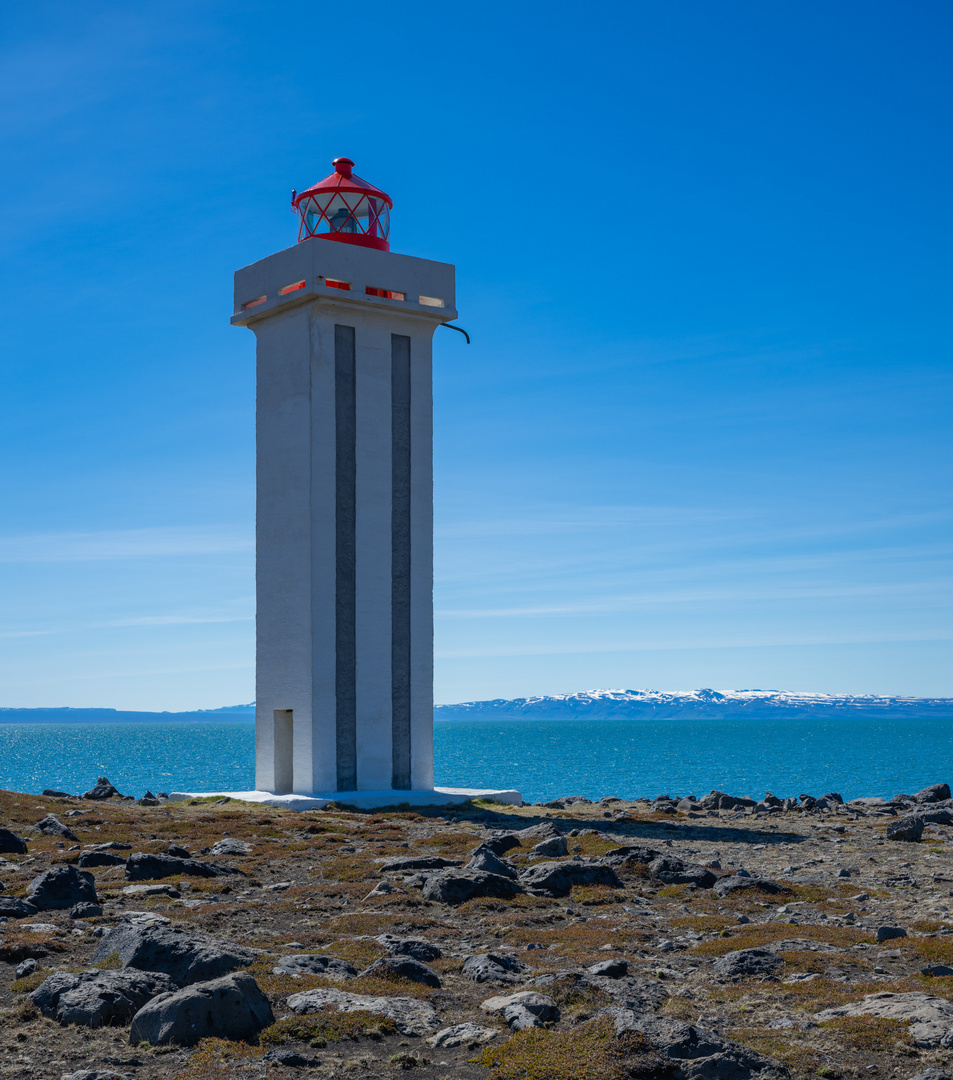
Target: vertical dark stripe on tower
(400, 559)
(345, 417)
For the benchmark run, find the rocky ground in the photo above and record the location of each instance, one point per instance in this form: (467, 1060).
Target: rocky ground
(566, 941)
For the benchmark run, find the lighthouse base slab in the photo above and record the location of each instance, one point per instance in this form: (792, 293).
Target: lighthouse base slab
(363, 800)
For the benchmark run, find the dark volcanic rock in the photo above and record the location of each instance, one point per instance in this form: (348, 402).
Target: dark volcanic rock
(933, 793)
(12, 907)
(499, 843)
(748, 962)
(630, 853)
(416, 862)
(291, 1059)
(184, 956)
(52, 826)
(673, 871)
(52, 793)
(553, 847)
(697, 1054)
(311, 964)
(102, 790)
(888, 933)
(11, 844)
(493, 967)
(98, 998)
(412, 947)
(85, 910)
(145, 867)
(456, 886)
(610, 969)
(909, 828)
(726, 885)
(232, 1007)
(484, 859)
(404, 968)
(60, 888)
(100, 858)
(558, 878)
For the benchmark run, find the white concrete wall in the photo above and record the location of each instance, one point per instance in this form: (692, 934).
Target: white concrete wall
(296, 502)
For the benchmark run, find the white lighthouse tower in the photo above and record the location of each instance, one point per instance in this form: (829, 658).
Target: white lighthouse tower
(344, 665)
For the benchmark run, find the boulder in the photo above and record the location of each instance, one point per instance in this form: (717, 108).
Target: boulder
(888, 933)
(403, 967)
(89, 859)
(85, 910)
(151, 890)
(60, 888)
(694, 1052)
(311, 964)
(672, 871)
(12, 907)
(908, 828)
(410, 863)
(485, 860)
(934, 813)
(557, 878)
(609, 969)
(930, 1018)
(493, 967)
(291, 1059)
(540, 831)
(53, 793)
(52, 826)
(98, 998)
(412, 947)
(178, 852)
(933, 793)
(412, 1017)
(524, 1009)
(456, 886)
(499, 843)
(468, 1034)
(738, 883)
(145, 867)
(937, 971)
(184, 956)
(232, 1007)
(26, 967)
(553, 847)
(102, 790)
(230, 845)
(11, 844)
(630, 853)
(748, 962)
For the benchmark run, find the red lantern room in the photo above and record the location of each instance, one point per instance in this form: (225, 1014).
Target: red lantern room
(344, 207)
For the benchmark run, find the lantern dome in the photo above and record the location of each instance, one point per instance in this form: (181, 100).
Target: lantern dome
(344, 207)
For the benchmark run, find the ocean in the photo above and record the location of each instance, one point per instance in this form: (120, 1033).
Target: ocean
(544, 759)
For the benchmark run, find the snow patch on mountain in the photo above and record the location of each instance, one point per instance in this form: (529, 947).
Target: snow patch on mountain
(705, 703)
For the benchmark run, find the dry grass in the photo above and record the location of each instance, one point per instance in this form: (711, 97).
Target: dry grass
(872, 1034)
(329, 1027)
(219, 1059)
(751, 936)
(588, 1052)
(782, 1047)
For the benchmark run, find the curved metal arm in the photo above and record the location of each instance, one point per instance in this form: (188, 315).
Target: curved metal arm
(459, 330)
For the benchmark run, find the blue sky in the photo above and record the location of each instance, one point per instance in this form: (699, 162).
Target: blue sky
(701, 437)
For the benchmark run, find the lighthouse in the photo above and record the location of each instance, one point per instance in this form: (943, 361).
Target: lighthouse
(344, 523)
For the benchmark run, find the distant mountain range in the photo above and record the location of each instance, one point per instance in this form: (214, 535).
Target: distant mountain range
(593, 705)
(117, 716)
(694, 704)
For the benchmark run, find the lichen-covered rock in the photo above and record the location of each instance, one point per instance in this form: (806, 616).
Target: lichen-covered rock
(726, 885)
(61, 888)
(312, 964)
(98, 998)
(930, 1017)
(457, 886)
(411, 1017)
(232, 1007)
(558, 878)
(143, 866)
(52, 826)
(748, 962)
(673, 871)
(403, 967)
(413, 947)
(184, 956)
(493, 967)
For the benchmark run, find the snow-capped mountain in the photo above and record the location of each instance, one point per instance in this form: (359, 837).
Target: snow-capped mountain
(636, 704)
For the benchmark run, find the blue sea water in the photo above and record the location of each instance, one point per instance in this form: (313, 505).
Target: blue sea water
(542, 758)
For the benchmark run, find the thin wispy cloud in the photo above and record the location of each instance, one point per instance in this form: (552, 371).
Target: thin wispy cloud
(159, 542)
